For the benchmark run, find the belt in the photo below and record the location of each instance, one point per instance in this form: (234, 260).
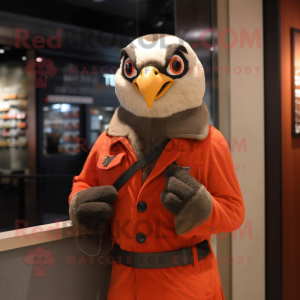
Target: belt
(180, 257)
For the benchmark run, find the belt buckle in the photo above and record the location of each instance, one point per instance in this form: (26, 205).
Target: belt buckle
(186, 254)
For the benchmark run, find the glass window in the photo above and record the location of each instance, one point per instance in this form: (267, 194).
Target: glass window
(81, 44)
(61, 128)
(99, 120)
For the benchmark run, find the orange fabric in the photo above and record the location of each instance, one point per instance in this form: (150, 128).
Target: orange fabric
(211, 164)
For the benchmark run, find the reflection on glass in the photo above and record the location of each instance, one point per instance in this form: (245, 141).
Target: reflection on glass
(99, 120)
(296, 54)
(297, 100)
(61, 128)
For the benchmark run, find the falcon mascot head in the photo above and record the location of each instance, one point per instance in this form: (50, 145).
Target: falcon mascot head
(159, 75)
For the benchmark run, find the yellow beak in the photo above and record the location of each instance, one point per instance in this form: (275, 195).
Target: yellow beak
(152, 84)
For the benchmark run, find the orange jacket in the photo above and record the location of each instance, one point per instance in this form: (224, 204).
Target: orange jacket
(211, 164)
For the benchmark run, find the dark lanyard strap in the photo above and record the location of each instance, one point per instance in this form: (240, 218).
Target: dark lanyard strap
(139, 165)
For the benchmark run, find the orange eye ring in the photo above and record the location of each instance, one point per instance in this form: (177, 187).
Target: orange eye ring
(132, 68)
(171, 65)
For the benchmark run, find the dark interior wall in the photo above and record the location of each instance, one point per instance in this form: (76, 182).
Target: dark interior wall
(290, 11)
(125, 17)
(273, 181)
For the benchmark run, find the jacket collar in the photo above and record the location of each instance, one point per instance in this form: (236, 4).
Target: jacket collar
(192, 123)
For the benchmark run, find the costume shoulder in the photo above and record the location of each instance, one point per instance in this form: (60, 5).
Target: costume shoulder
(216, 140)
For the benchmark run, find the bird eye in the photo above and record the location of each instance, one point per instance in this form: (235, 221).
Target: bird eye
(129, 69)
(176, 65)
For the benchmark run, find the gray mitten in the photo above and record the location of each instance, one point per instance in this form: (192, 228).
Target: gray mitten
(91, 208)
(186, 198)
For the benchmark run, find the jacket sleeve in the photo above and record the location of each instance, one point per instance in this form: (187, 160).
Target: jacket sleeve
(220, 180)
(89, 174)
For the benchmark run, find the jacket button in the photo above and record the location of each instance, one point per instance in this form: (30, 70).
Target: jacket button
(141, 238)
(142, 206)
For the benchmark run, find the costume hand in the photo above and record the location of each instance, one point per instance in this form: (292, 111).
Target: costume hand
(186, 198)
(91, 208)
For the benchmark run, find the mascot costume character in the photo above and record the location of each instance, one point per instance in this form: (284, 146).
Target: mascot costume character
(161, 177)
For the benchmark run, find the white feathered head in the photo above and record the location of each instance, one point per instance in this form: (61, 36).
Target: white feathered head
(159, 75)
